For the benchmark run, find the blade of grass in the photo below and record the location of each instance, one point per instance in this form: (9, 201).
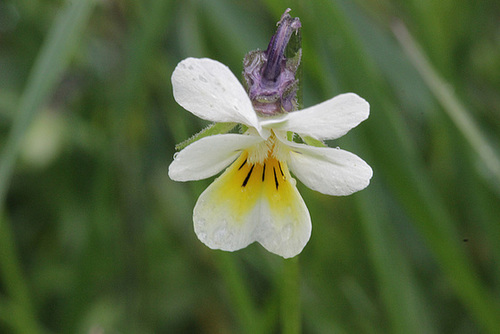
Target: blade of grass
(457, 112)
(21, 314)
(402, 300)
(46, 73)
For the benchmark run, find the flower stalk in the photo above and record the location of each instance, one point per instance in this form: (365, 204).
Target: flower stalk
(290, 297)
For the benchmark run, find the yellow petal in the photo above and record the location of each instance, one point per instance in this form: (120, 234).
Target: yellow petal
(253, 202)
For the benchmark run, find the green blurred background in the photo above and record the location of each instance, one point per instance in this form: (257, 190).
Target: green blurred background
(95, 238)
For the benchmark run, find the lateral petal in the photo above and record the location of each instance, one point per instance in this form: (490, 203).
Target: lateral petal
(328, 120)
(253, 202)
(208, 156)
(330, 171)
(209, 90)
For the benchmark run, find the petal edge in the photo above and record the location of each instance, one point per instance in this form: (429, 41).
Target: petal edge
(209, 90)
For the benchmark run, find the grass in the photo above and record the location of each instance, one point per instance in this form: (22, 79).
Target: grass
(94, 235)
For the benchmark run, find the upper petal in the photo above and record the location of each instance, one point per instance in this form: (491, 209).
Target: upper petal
(209, 90)
(328, 120)
(330, 171)
(208, 156)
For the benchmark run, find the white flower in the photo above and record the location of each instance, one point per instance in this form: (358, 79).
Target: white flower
(256, 199)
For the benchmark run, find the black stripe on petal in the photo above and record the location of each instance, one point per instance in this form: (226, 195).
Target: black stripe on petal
(275, 178)
(248, 176)
(281, 170)
(243, 164)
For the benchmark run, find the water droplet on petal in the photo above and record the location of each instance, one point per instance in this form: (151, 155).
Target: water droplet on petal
(220, 234)
(286, 232)
(293, 182)
(202, 78)
(175, 155)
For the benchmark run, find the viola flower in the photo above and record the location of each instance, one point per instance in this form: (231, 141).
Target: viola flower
(256, 199)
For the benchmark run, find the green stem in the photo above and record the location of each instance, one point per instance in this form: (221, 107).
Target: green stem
(245, 310)
(290, 297)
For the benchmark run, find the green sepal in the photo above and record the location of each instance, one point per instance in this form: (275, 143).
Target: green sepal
(212, 129)
(243, 128)
(312, 141)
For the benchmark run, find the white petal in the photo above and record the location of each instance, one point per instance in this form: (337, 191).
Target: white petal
(330, 171)
(208, 156)
(284, 234)
(328, 120)
(209, 90)
(250, 203)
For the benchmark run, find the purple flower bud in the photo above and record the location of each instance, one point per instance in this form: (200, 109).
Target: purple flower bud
(270, 75)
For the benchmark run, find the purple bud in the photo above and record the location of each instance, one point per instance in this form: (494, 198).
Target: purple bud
(270, 76)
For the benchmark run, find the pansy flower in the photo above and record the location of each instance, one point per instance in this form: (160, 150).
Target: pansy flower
(256, 198)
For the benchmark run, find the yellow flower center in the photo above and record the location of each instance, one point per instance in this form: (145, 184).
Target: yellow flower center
(245, 182)
(271, 148)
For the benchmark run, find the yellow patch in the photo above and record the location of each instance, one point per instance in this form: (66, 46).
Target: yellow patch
(241, 186)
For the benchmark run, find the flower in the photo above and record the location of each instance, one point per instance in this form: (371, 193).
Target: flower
(255, 199)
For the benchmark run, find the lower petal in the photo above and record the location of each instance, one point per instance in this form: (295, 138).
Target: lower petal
(253, 202)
